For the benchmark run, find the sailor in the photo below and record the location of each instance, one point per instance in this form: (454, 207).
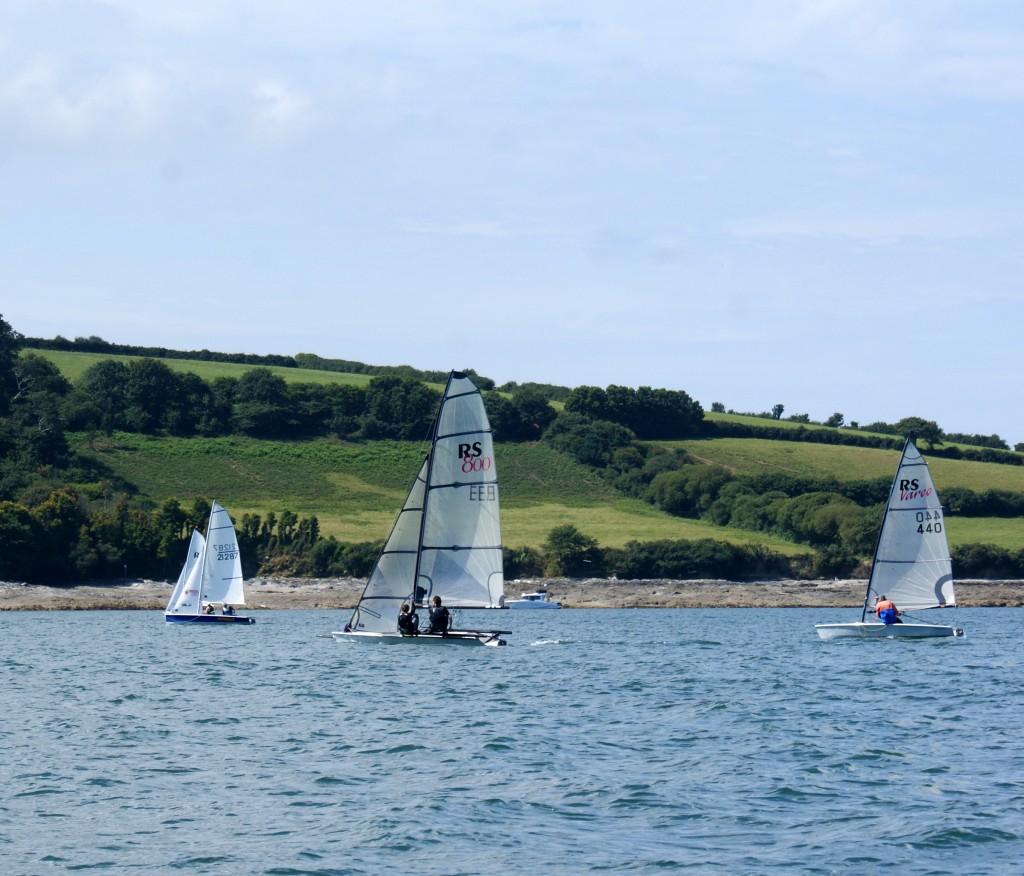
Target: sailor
(229, 609)
(209, 609)
(408, 621)
(886, 610)
(440, 618)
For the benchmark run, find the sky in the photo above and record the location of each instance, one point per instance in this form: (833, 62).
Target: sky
(817, 204)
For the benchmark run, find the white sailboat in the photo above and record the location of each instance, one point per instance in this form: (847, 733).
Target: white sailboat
(912, 565)
(211, 576)
(446, 540)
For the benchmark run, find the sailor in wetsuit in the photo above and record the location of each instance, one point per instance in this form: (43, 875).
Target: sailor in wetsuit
(440, 618)
(408, 621)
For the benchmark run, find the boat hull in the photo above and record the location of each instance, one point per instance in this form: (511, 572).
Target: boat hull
(208, 619)
(829, 632)
(488, 638)
(531, 604)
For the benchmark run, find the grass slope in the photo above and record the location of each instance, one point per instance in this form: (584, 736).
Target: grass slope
(757, 455)
(766, 423)
(356, 489)
(73, 365)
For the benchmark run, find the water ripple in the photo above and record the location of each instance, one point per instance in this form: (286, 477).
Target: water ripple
(714, 741)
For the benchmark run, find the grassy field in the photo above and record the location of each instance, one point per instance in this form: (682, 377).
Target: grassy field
(1004, 532)
(356, 489)
(762, 422)
(73, 365)
(757, 455)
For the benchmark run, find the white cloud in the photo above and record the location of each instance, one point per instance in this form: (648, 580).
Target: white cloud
(281, 111)
(42, 94)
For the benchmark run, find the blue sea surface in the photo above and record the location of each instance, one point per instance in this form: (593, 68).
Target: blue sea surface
(637, 741)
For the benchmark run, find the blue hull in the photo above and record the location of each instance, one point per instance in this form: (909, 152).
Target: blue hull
(208, 619)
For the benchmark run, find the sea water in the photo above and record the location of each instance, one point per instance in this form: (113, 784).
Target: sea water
(639, 741)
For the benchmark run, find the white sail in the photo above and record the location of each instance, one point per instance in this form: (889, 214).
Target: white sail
(449, 530)
(222, 565)
(912, 564)
(185, 596)
(460, 553)
(390, 582)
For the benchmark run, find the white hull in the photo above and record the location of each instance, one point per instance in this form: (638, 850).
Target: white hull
(455, 637)
(531, 604)
(860, 630)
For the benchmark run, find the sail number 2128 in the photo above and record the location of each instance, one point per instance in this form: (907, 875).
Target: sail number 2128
(929, 521)
(226, 551)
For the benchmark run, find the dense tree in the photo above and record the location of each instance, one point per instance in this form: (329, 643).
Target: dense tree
(648, 413)
(920, 429)
(777, 411)
(103, 385)
(261, 406)
(836, 420)
(569, 552)
(398, 407)
(690, 491)
(591, 442)
(10, 343)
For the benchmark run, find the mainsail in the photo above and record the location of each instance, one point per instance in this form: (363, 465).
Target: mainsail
(186, 591)
(447, 539)
(222, 564)
(912, 563)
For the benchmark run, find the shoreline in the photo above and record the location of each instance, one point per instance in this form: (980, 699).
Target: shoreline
(343, 593)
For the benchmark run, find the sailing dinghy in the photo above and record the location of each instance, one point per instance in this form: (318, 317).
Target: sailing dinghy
(211, 577)
(912, 564)
(446, 540)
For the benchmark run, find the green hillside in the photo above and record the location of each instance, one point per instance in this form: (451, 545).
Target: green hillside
(73, 365)
(356, 489)
(750, 456)
(791, 425)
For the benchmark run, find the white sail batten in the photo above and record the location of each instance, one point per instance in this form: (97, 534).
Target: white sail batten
(460, 552)
(185, 596)
(446, 540)
(222, 567)
(912, 564)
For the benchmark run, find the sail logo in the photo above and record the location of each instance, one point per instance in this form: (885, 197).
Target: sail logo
(472, 458)
(910, 488)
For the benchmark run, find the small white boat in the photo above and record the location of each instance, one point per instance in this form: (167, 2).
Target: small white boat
(537, 599)
(447, 539)
(912, 566)
(211, 577)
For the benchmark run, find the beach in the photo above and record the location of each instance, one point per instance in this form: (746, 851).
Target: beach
(343, 593)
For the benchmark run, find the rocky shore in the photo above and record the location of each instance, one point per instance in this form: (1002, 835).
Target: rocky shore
(341, 593)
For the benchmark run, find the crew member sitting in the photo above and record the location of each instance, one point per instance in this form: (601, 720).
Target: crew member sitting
(440, 618)
(229, 610)
(408, 621)
(886, 611)
(209, 609)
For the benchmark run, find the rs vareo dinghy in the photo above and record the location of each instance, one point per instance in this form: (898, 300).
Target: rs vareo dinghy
(211, 577)
(912, 565)
(446, 540)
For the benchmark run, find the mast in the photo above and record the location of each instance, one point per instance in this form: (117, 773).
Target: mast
(426, 493)
(881, 526)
